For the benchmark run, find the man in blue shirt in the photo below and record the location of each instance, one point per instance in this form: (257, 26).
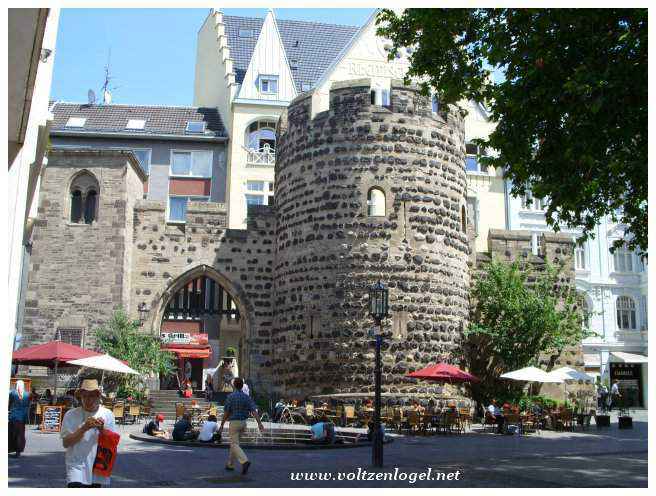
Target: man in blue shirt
(238, 407)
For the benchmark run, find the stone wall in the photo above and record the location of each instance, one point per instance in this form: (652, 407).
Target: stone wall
(329, 250)
(78, 272)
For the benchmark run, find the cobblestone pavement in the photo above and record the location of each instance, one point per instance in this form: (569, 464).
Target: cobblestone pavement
(604, 458)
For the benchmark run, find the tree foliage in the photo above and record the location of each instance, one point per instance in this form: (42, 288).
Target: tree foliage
(122, 338)
(520, 317)
(571, 109)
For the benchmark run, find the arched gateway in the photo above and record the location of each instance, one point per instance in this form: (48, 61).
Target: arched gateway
(200, 315)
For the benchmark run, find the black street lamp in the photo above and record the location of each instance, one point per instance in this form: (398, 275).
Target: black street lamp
(378, 310)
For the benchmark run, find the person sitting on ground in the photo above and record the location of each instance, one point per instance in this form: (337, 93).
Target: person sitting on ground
(182, 430)
(209, 431)
(323, 431)
(154, 427)
(496, 414)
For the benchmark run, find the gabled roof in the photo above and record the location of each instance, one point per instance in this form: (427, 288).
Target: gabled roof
(160, 120)
(318, 45)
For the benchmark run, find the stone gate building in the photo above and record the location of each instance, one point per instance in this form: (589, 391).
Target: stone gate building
(363, 193)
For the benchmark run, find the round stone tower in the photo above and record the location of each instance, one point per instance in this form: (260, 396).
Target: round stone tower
(367, 193)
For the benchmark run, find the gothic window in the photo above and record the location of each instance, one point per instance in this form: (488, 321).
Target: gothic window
(84, 198)
(579, 254)
(376, 202)
(626, 313)
(76, 206)
(623, 260)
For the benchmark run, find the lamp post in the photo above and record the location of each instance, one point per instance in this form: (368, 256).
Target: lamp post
(378, 310)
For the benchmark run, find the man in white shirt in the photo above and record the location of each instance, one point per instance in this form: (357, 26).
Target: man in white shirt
(614, 394)
(209, 430)
(494, 410)
(79, 433)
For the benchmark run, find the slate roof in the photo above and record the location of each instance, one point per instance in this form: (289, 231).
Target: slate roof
(314, 45)
(160, 120)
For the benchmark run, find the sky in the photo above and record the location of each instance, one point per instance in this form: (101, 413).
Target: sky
(153, 51)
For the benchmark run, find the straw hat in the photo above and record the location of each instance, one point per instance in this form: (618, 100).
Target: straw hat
(89, 385)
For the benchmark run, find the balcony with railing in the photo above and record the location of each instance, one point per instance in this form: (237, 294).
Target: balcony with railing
(263, 157)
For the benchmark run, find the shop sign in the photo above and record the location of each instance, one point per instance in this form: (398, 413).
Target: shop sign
(173, 337)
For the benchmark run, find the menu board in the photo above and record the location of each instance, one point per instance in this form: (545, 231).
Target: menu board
(51, 419)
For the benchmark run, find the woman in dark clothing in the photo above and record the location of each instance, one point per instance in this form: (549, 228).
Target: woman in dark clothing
(19, 408)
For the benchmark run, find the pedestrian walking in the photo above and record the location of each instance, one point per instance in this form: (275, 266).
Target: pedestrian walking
(80, 431)
(19, 409)
(614, 394)
(238, 407)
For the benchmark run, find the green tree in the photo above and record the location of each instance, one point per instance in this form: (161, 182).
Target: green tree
(520, 316)
(123, 339)
(570, 107)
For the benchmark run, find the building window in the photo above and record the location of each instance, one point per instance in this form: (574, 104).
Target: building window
(84, 198)
(195, 127)
(623, 260)
(529, 202)
(306, 86)
(472, 162)
(579, 257)
(135, 124)
(245, 33)
(191, 164)
(376, 202)
(269, 85)
(626, 313)
(74, 336)
(463, 219)
(143, 156)
(380, 97)
(259, 193)
(178, 206)
(76, 121)
(585, 311)
(472, 213)
(260, 134)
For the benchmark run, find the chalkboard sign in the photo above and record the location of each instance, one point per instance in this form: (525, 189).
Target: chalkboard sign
(52, 419)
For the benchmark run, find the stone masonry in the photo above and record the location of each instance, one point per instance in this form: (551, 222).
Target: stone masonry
(329, 250)
(299, 274)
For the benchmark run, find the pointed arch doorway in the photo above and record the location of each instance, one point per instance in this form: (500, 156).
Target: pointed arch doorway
(201, 315)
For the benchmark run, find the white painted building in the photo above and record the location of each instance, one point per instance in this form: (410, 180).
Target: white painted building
(32, 35)
(615, 290)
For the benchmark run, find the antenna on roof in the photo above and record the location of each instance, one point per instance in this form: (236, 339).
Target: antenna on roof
(91, 97)
(106, 95)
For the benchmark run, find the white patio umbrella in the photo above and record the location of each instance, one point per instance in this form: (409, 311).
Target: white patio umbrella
(531, 374)
(569, 374)
(105, 363)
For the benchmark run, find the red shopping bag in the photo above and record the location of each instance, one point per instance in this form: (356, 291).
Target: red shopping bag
(106, 454)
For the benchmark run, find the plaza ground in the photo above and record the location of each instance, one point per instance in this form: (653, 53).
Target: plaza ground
(595, 458)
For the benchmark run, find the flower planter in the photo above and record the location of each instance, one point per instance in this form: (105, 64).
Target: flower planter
(602, 420)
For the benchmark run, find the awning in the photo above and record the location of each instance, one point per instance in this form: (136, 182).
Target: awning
(190, 352)
(622, 357)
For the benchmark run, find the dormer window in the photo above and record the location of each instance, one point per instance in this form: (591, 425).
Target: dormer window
(76, 121)
(306, 86)
(269, 85)
(138, 124)
(293, 64)
(245, 33)
(195, 127)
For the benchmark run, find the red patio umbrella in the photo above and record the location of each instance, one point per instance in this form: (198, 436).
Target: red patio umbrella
(443, 372)
(50, 355)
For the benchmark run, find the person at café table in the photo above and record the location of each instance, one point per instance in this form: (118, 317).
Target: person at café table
(494, 410)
